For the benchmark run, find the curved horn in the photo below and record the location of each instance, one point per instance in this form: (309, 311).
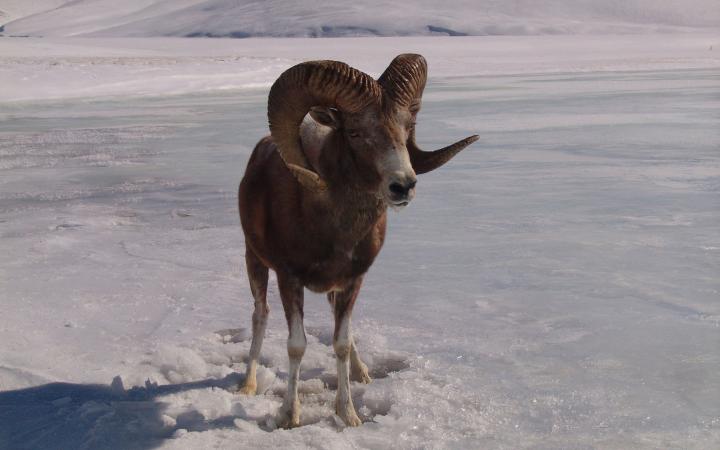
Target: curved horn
(424, 162)
(404, 79)
(313, 83)
(403, 82)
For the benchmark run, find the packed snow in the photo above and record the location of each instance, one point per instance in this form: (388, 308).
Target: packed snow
(554, 286)
(316, 18)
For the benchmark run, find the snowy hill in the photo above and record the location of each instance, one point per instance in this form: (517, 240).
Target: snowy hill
(15, 9)
(246, 18)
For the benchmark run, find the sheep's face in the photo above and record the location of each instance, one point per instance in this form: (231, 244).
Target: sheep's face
(377, 140)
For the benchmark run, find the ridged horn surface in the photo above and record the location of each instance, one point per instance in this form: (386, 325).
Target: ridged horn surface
(404, 80)
(403, 83)
(313, 83)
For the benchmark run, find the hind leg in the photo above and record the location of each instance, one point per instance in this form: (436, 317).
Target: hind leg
(358, 369)
(258, 275)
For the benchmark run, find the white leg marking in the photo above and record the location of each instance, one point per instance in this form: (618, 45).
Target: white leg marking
(289, 415)
(259, 323)
(343, 401)
(258, 286)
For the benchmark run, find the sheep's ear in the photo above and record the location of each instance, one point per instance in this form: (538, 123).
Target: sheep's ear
(330, 117)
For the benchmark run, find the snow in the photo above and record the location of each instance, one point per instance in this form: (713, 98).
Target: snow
(555, 286)
(34, 69)
(244, 18)
(11, 10)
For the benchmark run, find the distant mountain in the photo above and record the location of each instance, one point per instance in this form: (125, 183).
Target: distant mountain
(316, 18)
(16, 9)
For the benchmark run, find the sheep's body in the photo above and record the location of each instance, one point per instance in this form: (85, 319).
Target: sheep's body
(325, 241)
(313, 200)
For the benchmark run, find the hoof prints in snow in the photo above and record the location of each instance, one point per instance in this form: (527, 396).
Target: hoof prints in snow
(318, 378)
(378, 368)
(317, 392)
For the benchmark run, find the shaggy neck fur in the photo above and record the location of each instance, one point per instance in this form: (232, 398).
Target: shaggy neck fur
(356, 204)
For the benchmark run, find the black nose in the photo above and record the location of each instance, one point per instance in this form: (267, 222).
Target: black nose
(402, 190)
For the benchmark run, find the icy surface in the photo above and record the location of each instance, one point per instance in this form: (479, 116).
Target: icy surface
(317, 18)
(555, 286)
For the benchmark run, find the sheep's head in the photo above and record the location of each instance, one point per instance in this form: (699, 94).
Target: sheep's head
(376, 119)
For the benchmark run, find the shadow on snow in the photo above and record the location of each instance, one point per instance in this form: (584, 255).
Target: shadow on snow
(95, 416)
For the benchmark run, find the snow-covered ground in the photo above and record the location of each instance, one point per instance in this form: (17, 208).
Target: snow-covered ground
(555, 286)
(62, 68)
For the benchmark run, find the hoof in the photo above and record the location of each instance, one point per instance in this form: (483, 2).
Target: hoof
(287, 418)
(350, 418)
(360, 374)
(249, 389)
(362, 377)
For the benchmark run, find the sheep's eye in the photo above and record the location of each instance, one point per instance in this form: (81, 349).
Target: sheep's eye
(353, 134)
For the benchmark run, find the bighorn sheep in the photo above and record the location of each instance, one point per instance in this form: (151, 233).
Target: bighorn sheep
(313, 200)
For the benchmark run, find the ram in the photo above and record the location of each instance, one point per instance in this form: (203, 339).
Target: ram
(314, 199)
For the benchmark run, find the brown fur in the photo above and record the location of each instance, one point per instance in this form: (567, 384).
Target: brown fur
(326, 239)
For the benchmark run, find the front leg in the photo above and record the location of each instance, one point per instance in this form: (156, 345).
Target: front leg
(343, 303)
(291, 293)
(358, 370)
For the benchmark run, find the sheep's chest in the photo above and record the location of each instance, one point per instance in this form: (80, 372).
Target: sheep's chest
(338, 251)
(336, 271)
